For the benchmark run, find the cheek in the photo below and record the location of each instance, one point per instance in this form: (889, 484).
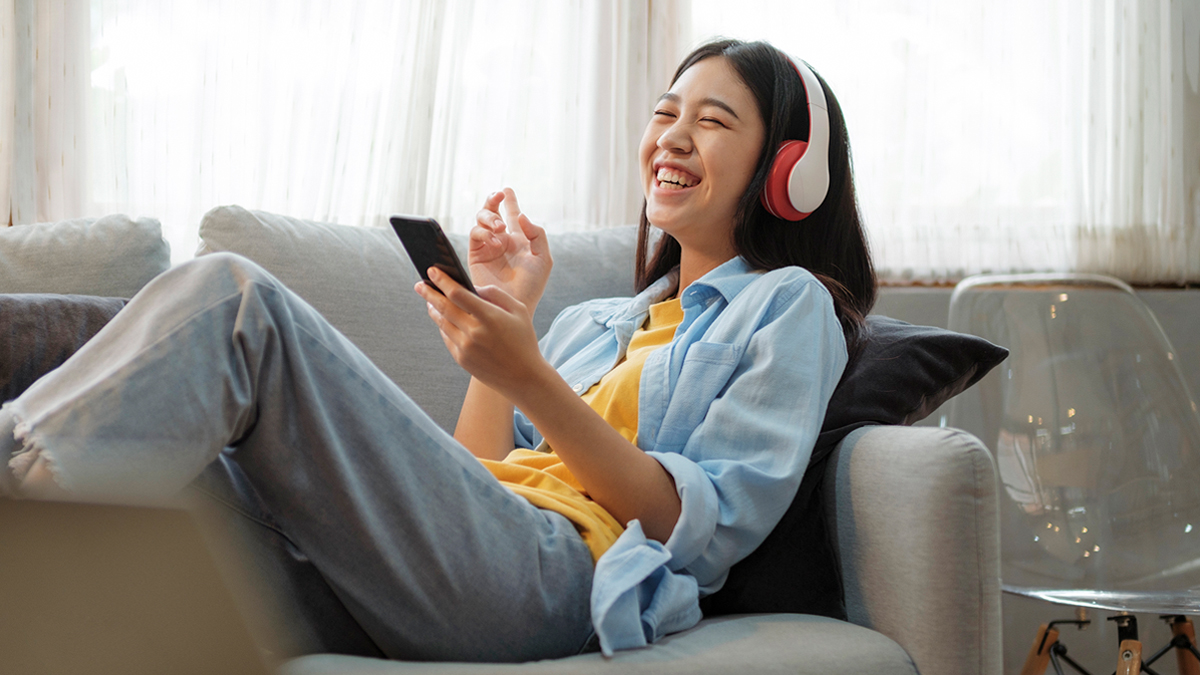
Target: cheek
(646, 151)
(740, 168)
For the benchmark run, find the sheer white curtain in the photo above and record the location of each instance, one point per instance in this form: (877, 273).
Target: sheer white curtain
(340, 111)
(1014, 136)
(43, 91)
(1024, 135)
(8, 105)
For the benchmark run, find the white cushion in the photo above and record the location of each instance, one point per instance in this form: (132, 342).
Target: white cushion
(113, 256)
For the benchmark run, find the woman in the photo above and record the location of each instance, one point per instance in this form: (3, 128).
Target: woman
(702, 398)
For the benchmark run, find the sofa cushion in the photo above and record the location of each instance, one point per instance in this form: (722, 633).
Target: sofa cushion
(903, 373)
(113, 256)
(38, 332)
(773, 643)
(361, 280)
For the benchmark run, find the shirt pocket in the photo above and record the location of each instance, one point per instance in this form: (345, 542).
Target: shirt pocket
(705, 372)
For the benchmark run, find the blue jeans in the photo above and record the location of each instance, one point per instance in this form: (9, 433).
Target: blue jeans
(387, 536)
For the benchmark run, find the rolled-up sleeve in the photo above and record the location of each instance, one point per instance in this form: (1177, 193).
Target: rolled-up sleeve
(740, 467)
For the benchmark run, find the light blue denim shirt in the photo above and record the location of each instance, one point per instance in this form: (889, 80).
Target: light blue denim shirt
(731, 408)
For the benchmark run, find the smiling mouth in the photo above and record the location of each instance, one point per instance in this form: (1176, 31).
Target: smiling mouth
(669, 179)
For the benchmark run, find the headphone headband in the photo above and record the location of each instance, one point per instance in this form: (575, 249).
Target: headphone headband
(799, 177)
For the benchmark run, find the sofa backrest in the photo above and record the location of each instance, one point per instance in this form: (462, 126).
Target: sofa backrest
(361, 280)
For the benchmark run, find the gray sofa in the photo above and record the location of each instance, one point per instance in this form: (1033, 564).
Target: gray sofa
(912, 509)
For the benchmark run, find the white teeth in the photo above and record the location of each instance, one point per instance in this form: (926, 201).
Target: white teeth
(669, 178)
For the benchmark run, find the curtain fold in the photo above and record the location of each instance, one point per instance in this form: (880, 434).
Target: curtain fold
(1140, 212)
(47, 59)
(8, 105)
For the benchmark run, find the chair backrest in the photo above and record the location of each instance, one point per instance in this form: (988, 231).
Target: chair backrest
(1096, 438)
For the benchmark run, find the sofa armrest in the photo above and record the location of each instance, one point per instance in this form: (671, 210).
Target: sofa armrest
(914, 516)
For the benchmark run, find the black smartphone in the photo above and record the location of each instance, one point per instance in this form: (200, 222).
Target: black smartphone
(428, 246)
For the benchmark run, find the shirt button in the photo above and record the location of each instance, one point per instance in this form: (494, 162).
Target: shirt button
(578, 388)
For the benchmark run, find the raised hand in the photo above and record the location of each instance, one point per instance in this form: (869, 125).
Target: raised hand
(508, 251)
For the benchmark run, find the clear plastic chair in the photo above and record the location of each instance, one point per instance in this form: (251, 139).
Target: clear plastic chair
(1097, 440)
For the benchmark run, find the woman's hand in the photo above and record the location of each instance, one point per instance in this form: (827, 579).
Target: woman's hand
(509, 252)
(490, 335)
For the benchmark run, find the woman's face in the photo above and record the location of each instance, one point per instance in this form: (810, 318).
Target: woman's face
(698, 154)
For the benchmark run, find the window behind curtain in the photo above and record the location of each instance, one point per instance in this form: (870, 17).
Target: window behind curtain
(1008, 136)
(1024, 135)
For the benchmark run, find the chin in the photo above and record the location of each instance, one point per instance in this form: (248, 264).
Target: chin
(665, 222)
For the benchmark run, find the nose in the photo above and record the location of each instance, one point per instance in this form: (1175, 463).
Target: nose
(676, 138)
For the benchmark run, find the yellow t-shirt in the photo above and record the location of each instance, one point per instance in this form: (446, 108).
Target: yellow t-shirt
(543, 479)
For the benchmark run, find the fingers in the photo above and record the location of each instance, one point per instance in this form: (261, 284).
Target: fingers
(459, 306)
(483, 235)
(443, 312)
(467, 321)
(489, 215)
(454, 301)
(538, 242)
(492, 203)
(498, 297)
(512, 210)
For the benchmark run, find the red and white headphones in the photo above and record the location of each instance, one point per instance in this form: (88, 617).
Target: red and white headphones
(799, 176)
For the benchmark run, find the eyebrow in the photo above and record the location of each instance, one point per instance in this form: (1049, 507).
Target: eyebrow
(708, 100)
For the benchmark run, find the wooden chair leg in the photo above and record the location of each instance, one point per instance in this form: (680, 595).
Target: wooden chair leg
(1188, 665)
(1129, 658)
(1039, 653)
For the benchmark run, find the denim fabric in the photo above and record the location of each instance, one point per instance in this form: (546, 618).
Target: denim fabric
(731, 408)
(432, 557)
(297, 611)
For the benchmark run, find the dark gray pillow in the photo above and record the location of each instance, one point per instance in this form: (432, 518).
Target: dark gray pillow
(38, 332)
(901, 374)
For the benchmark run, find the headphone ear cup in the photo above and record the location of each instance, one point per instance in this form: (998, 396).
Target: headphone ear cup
(775, 197)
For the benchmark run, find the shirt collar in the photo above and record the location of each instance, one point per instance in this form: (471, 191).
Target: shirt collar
(727, 280)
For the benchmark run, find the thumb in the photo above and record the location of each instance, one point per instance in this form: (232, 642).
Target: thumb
(498, 297)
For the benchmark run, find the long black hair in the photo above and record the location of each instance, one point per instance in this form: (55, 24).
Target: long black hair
(830, 242)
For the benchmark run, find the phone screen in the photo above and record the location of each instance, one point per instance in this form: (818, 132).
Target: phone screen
(427, 247)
